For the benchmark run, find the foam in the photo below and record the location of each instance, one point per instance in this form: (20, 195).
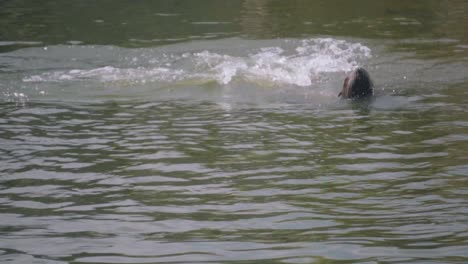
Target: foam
(292, 62)
(109, 74)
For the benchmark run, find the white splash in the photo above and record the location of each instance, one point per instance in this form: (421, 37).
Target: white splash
(293, 62)
(109, 74)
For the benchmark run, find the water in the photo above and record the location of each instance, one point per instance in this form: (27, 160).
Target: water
(211, 132)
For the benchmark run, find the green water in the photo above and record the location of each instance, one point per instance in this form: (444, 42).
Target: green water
(211, 132)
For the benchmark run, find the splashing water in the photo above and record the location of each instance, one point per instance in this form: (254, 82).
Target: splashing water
(290, 62)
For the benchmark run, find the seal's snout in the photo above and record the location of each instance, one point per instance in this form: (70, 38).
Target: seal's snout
(357, 84)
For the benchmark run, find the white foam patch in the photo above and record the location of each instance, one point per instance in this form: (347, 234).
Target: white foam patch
(109, 74)
(292, 62)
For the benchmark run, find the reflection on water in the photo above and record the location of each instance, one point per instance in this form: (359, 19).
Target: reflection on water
(148, 23)
(210, 132)
(162, 182)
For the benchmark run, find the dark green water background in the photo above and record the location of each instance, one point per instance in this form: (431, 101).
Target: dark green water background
(210, 132)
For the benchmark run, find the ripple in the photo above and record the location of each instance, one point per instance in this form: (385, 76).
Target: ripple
(159, 182)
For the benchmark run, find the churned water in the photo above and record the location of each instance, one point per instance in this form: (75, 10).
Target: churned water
(112, 73)
(211, 132)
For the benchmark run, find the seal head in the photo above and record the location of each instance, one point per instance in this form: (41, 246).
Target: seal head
(357, 85)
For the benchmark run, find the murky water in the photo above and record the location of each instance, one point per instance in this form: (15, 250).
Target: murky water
(211, 132)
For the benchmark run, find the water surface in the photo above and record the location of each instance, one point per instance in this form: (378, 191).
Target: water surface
(211, 132)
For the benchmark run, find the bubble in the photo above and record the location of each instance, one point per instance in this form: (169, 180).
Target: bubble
(290, 62)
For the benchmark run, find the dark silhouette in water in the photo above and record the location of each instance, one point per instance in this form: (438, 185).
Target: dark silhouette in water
(357, 85)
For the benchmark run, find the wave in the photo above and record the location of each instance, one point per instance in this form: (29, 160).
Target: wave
(291, 62)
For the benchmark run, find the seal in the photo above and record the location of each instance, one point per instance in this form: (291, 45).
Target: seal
(357, 85)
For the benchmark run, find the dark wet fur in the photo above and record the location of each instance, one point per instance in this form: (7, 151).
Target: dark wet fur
(357, 85)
